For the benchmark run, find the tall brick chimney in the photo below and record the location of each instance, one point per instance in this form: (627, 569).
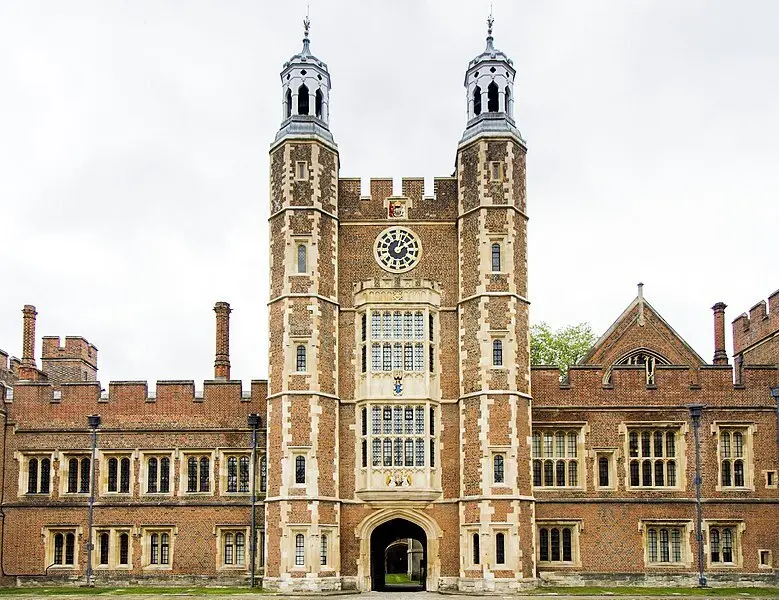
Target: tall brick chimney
(28, 336)
(720, 355)
(222, 362)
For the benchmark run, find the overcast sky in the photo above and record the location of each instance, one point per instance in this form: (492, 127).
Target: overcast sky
(134, 139)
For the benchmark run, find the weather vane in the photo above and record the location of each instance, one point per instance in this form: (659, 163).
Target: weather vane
(490, 21)
(306, 22)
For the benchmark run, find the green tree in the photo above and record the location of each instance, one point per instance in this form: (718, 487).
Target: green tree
(561, 347)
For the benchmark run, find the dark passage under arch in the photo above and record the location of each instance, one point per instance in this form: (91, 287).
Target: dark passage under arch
(386, 554)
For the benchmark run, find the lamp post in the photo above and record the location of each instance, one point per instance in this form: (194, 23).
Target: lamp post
(695, 414)
(94, 423)
(254, 423)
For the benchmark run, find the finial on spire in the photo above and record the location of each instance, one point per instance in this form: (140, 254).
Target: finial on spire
(490, 21)
(306, 29)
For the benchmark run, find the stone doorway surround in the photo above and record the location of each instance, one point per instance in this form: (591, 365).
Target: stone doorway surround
(420, 518)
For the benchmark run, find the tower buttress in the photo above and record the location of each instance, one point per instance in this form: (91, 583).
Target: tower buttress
(302, 510)
(495, 413)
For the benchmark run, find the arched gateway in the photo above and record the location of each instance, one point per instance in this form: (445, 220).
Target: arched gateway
(381, 532)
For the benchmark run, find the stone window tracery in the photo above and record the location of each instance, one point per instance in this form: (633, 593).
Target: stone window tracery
(198, 473)
(37, 470)
(665, 544)
(652, 455)
(555, 458)
(734, 447)
(77, 475)
(119, 475)
(158, 474)
(397, 341)
(397, 435)
(557, 543)
(641, 356)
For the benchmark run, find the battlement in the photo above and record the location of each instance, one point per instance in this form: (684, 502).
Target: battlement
(762, 321)
(673, 386)
(417, 202)
(75, 347)
(128, 404)
(386, 283)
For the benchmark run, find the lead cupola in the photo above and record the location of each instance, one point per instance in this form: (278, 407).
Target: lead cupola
(489, 84)
(305, 86)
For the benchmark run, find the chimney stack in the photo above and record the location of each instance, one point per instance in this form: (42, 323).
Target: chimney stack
(222, 362)
(720, 355)
(28, 336)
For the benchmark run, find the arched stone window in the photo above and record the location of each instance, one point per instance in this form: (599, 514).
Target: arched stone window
(303, 100)
(476, 553)
(640, 356)
(32, 474)
(496, 257)
(497, 353)
(289, 103)
(497, 469)
(300, 364)
(302, 259)
(318, 104)
(300, 550)
(477, 101)
(113, 465)
(300, 469)
(507, 100)
(103, 556)
(492, 97)
(500, 549)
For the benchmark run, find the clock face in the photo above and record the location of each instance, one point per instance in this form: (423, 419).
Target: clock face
(397, 250)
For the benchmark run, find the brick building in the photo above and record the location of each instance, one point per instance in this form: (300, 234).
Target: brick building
(401, 407)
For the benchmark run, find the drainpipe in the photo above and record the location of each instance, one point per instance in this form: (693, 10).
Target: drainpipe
(94, 423)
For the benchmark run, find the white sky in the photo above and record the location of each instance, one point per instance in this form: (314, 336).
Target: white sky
(134, 139)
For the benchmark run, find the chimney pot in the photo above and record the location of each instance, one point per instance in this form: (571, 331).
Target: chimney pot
(222, 362)
(28, 335)
(720, 355)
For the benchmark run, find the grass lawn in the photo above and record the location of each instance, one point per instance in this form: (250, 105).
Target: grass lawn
(398, 578)
(126, 591)
(659, 591)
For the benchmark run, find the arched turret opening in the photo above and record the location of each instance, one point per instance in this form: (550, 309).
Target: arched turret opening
(303, 100)
(492, 97)
(507, 100)
(477, 101)
(288, 110)
(318, 104)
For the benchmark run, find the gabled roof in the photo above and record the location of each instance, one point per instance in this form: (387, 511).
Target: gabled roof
(641, 326)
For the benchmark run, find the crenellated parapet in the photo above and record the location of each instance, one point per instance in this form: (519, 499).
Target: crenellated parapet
(415, 203)
(673, 386)
(136, 404)
(761, 323)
